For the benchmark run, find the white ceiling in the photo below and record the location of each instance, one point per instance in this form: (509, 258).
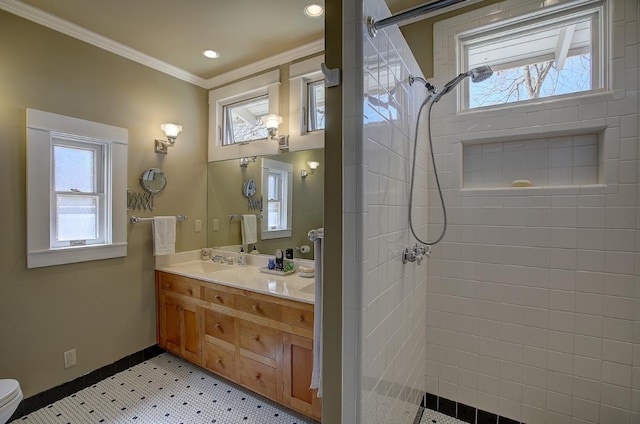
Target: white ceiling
(176, 32)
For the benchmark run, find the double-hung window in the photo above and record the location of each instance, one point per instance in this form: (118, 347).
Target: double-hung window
(277, 190)
(76, 190)
(78, 197)
(552, 52)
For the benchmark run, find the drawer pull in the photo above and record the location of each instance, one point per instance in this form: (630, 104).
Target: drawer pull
(258, 376)
(300, 318)
(219, 298)
(256, 338)
(190, 292)
(255, 307)
(219, 361)
(218, 325)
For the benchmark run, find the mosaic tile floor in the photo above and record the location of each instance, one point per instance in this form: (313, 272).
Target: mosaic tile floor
(433, 417)
(164, 389)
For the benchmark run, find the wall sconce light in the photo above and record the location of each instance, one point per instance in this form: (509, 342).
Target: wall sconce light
(171, 131)
(272, 122)
(245, 161)
(313, 165)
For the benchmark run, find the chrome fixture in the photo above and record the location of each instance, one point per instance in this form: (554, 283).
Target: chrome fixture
(415, 253)
(478, 74)
(373, 26)
(272, 122)
(245, 161)
(218, 258)
(171, 131)
(313, 165)
(135, 219)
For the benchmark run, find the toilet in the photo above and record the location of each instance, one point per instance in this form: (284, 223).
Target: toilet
(10, 397)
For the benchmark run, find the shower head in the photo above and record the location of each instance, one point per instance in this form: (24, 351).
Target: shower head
(478, 74)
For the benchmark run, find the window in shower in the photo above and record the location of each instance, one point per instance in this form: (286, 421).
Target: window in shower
(549, 53)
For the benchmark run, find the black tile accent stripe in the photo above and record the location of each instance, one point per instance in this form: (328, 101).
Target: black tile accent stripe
(42, 399)
(461, 411)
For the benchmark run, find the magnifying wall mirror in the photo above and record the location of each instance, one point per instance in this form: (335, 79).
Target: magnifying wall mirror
(153, 180)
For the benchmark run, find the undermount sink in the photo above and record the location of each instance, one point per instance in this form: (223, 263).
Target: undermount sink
(201, 266)
(309, 288)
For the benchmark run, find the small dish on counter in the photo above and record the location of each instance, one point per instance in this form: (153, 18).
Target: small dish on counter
(306, 271)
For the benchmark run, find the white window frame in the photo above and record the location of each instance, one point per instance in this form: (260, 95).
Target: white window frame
(264, 84)
(101, 151)
(542, 15)
(300, 74)
(42, 127)
(268, 164)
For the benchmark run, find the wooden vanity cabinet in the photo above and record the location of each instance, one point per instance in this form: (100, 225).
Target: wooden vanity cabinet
(261, 342)
(180, 318)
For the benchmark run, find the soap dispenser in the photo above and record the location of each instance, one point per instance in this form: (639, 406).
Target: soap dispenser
(242, 258)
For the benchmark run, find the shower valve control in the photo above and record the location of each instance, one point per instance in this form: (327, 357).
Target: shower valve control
(415, 253)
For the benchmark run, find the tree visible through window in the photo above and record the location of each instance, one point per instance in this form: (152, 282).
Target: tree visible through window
(541, 56)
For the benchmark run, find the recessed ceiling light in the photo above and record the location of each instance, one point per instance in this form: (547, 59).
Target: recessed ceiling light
(212, 54)
(314, 10)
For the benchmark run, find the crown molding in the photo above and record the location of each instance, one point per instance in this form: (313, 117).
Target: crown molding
(61, 25)
(268, 63)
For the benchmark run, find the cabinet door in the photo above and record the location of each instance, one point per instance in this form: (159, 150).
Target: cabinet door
(169, 317)
(180, 328)
(190, 328)
(297, 369)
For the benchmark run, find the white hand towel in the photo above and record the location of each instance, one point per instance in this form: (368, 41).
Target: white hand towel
(164, 235)
(249, 228)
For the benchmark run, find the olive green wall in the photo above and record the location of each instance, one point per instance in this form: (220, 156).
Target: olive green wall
(225, 197)
(419, 35)
(104, 309)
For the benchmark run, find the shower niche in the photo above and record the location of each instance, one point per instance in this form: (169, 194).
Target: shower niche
(543, 161)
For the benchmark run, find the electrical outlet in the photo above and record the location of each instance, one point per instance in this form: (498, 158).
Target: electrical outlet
(216, 225)
(70, 358)
(198, 225)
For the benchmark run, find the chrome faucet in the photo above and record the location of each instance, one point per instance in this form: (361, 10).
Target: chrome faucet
(218, 258)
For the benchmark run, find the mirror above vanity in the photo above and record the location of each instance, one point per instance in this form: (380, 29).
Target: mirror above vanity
(234, 190)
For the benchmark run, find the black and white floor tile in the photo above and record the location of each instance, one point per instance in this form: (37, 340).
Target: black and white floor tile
(164, 389)
(434, 417)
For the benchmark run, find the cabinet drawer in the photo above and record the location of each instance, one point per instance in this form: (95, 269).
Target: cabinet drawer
(258, 339)
(220, 361)
(218, 297)
(258, 377)
(220, 326)
(258, 307)
(177, 285)
(297, 317)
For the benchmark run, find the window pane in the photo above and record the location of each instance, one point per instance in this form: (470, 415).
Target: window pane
(533, 81)
(74, 169)
(547, 58)
(76, 217)
(274, 215)
(242, 120)
(315, 107)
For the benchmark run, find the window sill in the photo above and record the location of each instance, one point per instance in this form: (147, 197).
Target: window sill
(67, 255)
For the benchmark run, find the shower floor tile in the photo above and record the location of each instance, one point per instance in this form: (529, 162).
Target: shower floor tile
(164, 389)
(433, 417)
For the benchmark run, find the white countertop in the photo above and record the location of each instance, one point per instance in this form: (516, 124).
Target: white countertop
(248, 277)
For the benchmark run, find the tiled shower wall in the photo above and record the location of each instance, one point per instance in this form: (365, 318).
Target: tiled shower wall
(384, 315)
(534, 297)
